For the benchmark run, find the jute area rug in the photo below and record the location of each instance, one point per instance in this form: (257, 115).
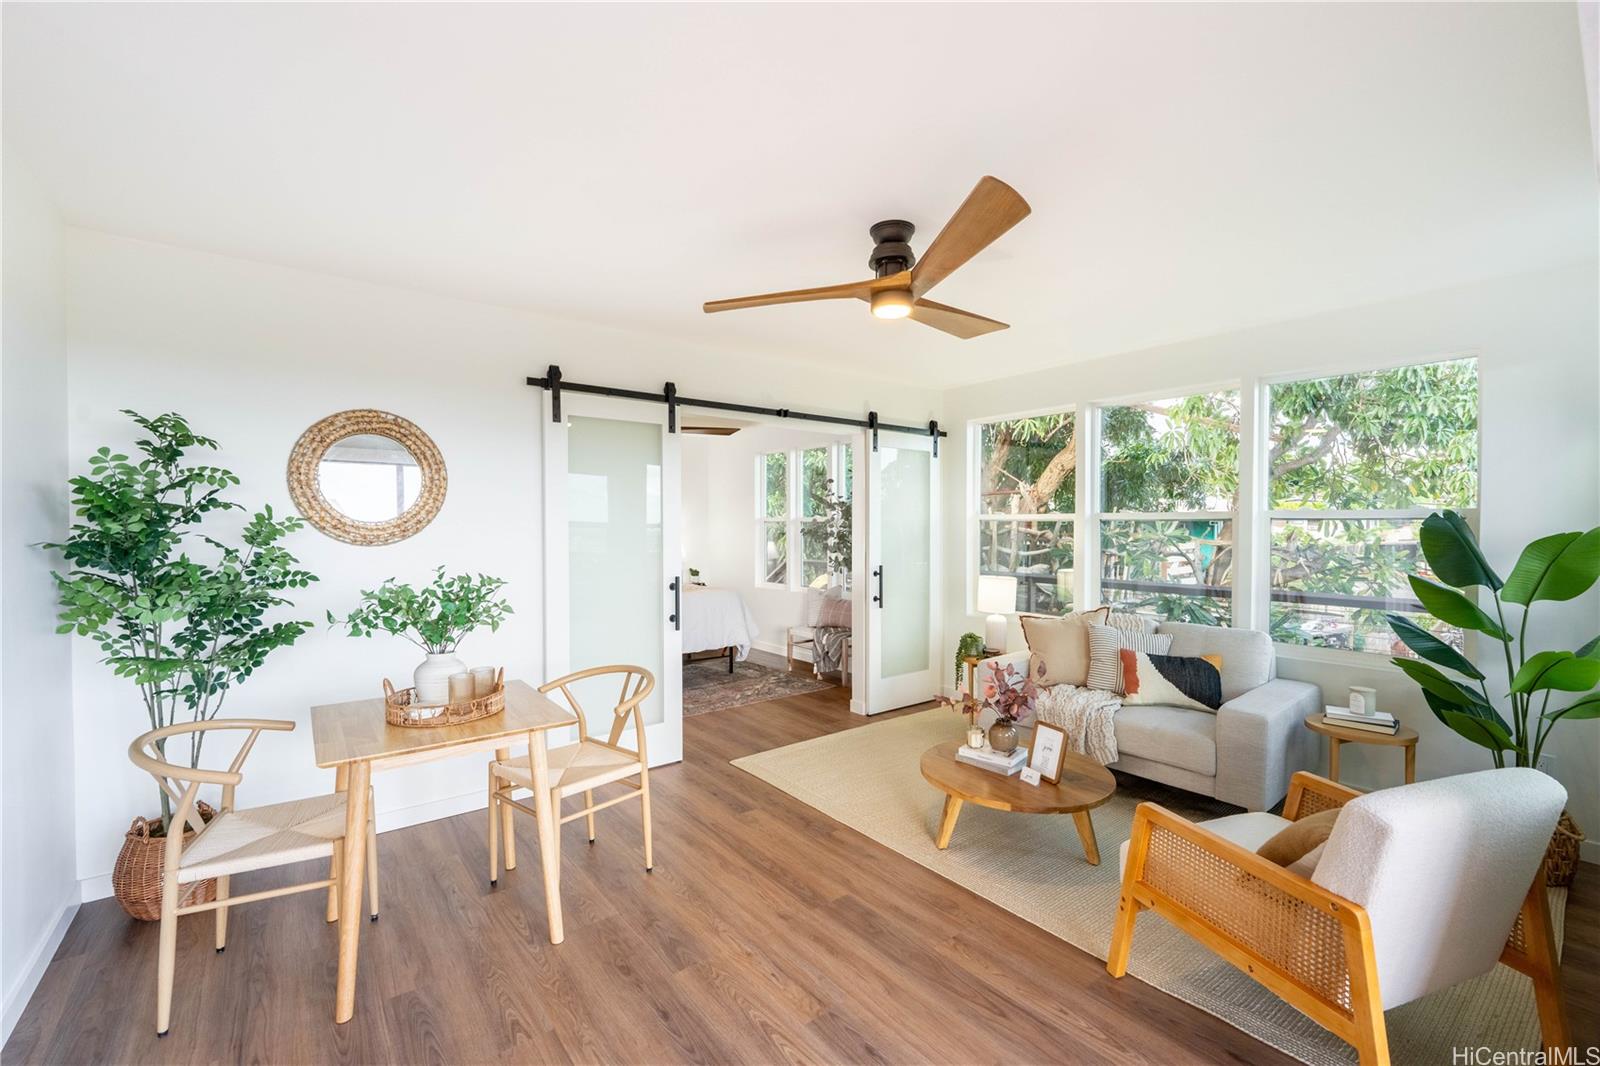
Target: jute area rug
(707, 685)
(1033, 866)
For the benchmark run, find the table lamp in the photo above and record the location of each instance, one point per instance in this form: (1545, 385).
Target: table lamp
(997, 597)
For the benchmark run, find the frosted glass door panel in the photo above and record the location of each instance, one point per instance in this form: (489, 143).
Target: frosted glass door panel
(616, 575)
(907, 563)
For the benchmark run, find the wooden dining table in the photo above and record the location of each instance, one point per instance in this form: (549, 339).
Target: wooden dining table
(354, 739)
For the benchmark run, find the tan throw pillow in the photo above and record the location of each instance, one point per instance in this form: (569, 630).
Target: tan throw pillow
(1296, 840)
(835, 613)
(1059, 647)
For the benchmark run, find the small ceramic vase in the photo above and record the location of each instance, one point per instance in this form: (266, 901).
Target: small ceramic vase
(1003, 737)
(432, 678)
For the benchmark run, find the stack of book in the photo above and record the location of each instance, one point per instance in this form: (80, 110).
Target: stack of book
(992, 760)
(1376, 722)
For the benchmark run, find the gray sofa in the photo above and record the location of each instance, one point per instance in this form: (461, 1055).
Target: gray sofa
(1243, 754)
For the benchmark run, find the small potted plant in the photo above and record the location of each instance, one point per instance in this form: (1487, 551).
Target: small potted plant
(1010, 693)
(435, 618)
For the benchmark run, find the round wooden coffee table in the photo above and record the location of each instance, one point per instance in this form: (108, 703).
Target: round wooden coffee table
(1084, 785)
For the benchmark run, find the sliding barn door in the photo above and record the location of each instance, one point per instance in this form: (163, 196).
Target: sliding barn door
(613, 589)
(902, 593)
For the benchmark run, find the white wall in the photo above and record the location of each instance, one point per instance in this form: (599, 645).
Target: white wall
(38, 888)
(253, 354)
(1539, 363)
(719, 518)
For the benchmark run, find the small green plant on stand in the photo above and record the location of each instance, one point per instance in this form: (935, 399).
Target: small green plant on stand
(969, 645)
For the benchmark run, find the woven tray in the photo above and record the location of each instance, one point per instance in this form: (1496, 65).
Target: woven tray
(400, 707)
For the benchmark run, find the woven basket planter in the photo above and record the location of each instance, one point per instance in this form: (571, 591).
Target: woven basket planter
(1561, 858)
(136, 879)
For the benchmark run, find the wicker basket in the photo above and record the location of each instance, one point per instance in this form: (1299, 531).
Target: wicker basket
(401, 708)
(136, 879)
(1561, 858)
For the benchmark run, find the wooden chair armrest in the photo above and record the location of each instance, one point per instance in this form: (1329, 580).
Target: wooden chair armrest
(1302, 941)
(1148, 816)
(1309, 793)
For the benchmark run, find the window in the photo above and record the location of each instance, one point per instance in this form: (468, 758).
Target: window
(773, 543)
(1356, 462)
(1027, 494)
(794, 519)
(1169, 488)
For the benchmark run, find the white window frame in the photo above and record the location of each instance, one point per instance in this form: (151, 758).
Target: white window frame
(975, 503)
(793, 520)
(1266, 515)
(1100, 517)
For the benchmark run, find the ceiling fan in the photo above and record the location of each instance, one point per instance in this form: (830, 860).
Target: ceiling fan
(901, 279)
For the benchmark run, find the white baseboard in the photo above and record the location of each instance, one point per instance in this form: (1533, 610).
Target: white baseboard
(21, 991)
(803, 653)
(1589, 851)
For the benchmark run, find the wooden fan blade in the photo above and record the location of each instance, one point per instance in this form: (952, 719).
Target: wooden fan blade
(852, 290)
(988, 211)
(953, 320)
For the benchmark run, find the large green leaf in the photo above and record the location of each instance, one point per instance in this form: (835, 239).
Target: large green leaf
(1453, 553)
(1450, 606)
(1559, 670)
(1480, 731)
(1431, 647)
(1435, 683)
(1588, 707)
(1590, 650)
(1559, 567)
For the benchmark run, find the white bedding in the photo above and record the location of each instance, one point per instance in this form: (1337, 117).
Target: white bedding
(716, 618)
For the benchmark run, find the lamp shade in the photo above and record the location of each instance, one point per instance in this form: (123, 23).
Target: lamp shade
(997, 594)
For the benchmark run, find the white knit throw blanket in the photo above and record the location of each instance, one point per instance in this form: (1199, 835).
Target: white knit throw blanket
(1087, 714)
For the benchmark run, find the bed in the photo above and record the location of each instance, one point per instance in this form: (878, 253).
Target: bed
(717, 620)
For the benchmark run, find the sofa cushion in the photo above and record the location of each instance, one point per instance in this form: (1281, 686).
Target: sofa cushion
(1247, 660)
(1171, 735)
(1106, 644)
(1194, 682)
(1059, 646)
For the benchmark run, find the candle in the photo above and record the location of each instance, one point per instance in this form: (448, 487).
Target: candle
(482, 680)
(460, 687)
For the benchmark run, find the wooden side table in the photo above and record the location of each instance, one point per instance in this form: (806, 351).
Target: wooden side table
(1404, 737)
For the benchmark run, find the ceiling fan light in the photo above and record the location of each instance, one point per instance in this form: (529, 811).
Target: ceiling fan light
(891, 303)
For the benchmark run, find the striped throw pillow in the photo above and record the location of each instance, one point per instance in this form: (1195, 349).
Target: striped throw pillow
(1105, 653)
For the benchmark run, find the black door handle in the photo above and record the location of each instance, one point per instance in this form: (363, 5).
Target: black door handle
(877, 572)
(677, 605)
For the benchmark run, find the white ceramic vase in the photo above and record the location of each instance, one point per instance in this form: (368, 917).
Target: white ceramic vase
(432, 678)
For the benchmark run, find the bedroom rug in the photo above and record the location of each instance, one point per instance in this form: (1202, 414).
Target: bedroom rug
(707, 685)
(1032, 865)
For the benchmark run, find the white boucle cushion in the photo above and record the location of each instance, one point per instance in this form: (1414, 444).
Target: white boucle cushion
(1442, 868)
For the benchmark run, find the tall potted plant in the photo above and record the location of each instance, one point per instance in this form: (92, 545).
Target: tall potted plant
(185, 630)
(1559, 567)
(435, 618)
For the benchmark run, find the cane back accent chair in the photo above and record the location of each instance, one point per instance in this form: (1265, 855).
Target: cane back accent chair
(580, 767)
(1418, 888)
(235, 840)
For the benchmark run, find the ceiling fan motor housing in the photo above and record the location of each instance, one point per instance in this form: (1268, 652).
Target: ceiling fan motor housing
(892, 248)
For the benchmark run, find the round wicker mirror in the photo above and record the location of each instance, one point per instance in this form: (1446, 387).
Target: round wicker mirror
(367, 477)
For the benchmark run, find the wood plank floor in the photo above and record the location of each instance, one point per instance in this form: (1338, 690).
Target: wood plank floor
(768, 933)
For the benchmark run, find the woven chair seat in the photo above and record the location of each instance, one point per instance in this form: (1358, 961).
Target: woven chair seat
(260, 837)
(575, 768)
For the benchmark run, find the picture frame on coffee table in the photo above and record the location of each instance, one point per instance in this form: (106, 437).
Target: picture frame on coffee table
(1048, 752)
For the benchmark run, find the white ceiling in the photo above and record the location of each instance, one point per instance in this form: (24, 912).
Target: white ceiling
(1192, 168)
